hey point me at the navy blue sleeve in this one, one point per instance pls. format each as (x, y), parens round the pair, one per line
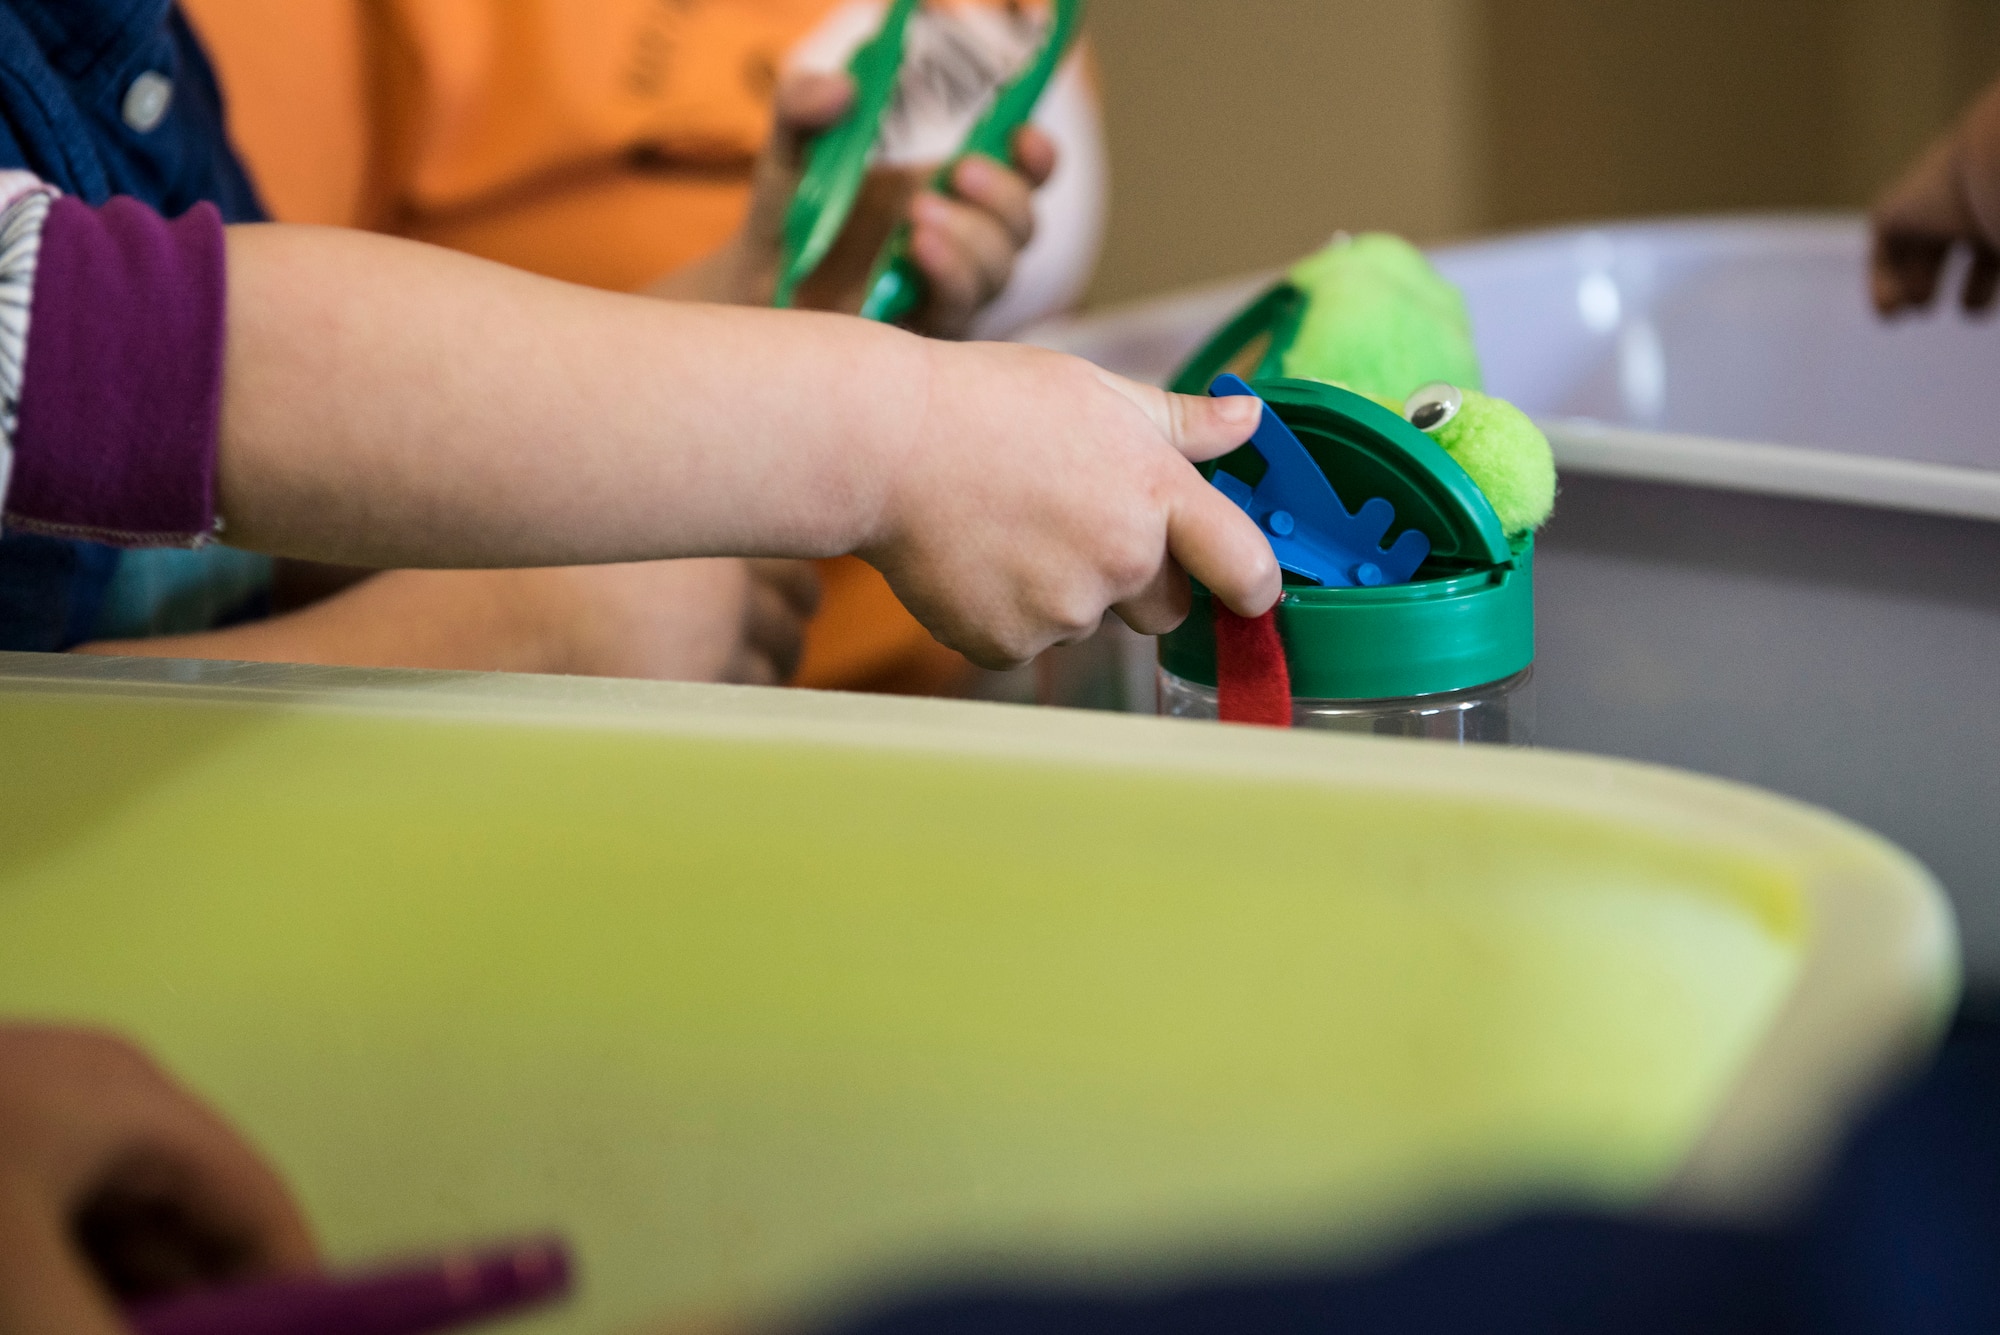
(1548, 1277)
(1905, 1237)
(39, 119)
(67, 72)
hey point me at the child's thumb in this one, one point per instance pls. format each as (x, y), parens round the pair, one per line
(1200, 428)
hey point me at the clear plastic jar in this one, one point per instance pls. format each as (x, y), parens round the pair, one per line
(1501, 712)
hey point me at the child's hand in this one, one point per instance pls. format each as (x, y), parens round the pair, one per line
(115, 1185)
(1950, 198)
(1010, 495)
(965, 244)
(1005, 538)
(726, 620)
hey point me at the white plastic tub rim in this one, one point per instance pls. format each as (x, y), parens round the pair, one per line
(1738, 353)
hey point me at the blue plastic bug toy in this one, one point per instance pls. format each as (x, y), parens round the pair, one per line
(1310, 530)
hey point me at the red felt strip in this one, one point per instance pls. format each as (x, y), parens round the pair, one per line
(1254, 682)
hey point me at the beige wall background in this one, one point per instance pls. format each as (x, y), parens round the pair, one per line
(1245, 132)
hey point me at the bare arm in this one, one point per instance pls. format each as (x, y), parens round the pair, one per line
(703, 620)
(389, 404)
(117, 1184)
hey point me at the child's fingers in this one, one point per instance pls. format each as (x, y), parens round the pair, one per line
(1904, 271)
(951, 290)
(155, 1185)
(1035, 155)
(797, 581)
(983, 240)
(1210, 538)
(774, 641)
(236, 1221)
(1219, 545)
(966, 256)
(783, 597)
(1983, 282)
(1915, 224)
(1006, 195)
(1162, 605)
(967, 246)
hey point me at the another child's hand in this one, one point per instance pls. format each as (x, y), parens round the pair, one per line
(722, 619)
(116, 1185)
(1951, 197)
(1040, 491)
(966, 244)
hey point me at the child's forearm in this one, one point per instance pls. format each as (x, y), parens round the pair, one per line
(385, 403)
(363, 401)
(391, 404)
(713, 620)
(465, 620)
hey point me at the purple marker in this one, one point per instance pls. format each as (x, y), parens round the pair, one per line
(437, 1295)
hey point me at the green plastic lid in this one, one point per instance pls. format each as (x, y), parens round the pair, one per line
(1467, 620)
(1253, 344)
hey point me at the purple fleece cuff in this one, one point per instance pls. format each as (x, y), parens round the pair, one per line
(121, 395)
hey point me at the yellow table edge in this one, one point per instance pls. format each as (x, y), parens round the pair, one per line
(1881, 972)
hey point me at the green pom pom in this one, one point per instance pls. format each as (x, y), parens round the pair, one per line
(1380, 321)
(1508, 456)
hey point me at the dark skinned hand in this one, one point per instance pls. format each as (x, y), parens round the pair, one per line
(1949, 199)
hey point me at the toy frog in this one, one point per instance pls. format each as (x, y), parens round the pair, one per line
(1379, 320)
(1370, 314)
(1367, 325)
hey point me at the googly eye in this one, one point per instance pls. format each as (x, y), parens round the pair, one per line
(1431, 408)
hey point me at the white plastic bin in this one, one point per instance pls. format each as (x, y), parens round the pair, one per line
(1777, 552)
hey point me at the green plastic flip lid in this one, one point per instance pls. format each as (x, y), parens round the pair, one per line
(1253, 344)
(1467, 620)
(1367, 451)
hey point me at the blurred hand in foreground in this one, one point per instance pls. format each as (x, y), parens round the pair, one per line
(116, 1185)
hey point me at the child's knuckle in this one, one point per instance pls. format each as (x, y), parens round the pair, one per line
(1133, 565)
(1075, 616)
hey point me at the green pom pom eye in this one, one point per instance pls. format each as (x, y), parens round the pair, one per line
(1433, 408)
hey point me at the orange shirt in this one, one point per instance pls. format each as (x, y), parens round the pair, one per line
(605, 142)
